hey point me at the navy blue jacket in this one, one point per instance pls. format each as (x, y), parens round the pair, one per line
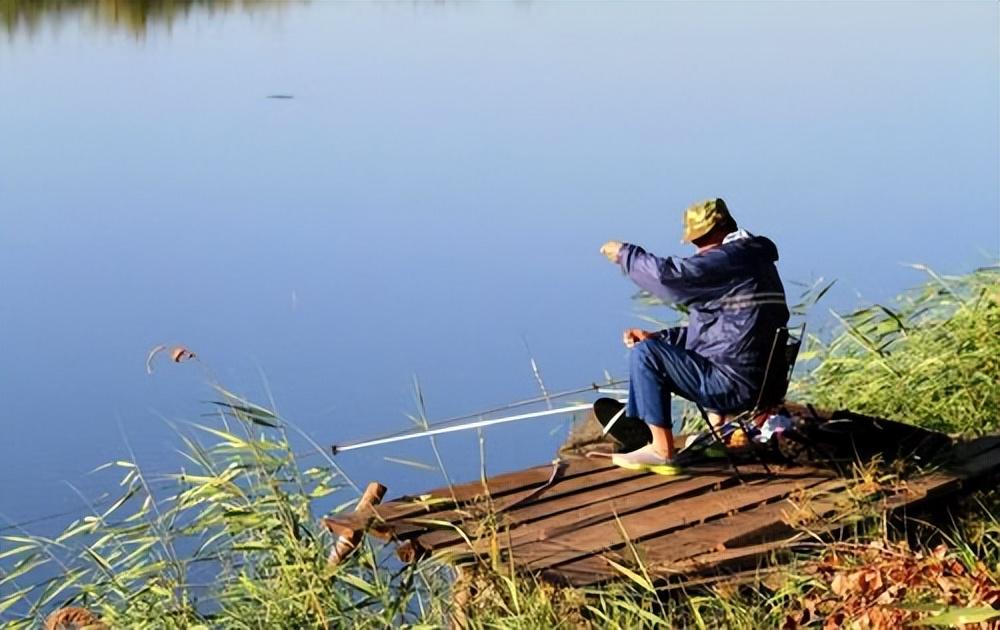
(734, 294)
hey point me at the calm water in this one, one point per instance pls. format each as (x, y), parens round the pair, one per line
(434, 194)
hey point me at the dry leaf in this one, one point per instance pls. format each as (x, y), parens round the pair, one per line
(177, 355)
(180, 353)
(839, 585)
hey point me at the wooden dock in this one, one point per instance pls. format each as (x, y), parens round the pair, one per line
(579, 520)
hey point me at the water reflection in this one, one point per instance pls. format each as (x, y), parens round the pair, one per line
(133, 16)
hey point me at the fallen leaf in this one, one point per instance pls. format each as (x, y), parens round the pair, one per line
(869, 581)
(180, 353)
(839, 585)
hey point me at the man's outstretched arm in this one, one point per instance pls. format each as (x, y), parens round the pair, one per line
(672, 279)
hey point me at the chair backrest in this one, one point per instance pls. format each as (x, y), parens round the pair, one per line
(780, 364)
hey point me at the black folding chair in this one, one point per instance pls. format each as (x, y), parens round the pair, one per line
(777, 374)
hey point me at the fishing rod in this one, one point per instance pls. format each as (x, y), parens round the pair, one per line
(445, 426)
(593, 387)
(458, 427)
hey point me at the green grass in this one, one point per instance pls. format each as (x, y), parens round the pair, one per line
(233, 540)
(932, 359)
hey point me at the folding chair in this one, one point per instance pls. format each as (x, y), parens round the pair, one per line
(777, 374)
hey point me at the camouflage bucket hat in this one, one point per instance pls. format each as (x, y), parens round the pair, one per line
(700, 218)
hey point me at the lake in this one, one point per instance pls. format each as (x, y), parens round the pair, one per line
(325, 200)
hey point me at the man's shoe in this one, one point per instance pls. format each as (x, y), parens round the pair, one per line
(646, 458)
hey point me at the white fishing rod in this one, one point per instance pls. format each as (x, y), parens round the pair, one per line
(458, 427)
(399, 437)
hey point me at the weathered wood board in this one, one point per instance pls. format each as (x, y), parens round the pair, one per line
(573, 520)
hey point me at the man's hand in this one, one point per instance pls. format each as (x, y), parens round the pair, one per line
(633, 336)
(611, 250)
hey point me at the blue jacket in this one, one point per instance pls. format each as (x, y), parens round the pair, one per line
(734, 294)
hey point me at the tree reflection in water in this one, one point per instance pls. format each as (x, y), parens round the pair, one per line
(132, 16)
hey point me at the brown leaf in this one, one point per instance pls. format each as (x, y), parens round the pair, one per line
(834, 621)
(988, 594)
(795, 620)
(956, 568)
(947, 584)
(839, 585)
(774, 581)
(854, 581)
(889, 595)
(180, 353)
(870, 581)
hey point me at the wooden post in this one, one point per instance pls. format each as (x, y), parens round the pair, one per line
(348, 543)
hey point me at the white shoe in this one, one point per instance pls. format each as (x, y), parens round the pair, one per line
(645, 458)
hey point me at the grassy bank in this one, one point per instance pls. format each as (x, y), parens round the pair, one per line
(932, 359)
(233, 540)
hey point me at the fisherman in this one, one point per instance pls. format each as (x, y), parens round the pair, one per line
(736, 303)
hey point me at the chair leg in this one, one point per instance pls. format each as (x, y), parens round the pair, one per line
(753, 445)
(718, 440)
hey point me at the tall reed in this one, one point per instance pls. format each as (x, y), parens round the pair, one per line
(932, 359)
(233, 540)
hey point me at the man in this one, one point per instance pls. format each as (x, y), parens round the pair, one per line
(736, 303)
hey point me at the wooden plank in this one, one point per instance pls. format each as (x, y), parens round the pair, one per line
(728, 559)
(695, 560)
(445, 498)
(735, 560)
(581, 497)
(767, 522)
(511, 504)
(913, 493)
(981, 457)
(594, 570)
(651, 515)
(741, 539)
(534, 522)
(649, 522)
(506, 484)
(543, 519)
(764, 522)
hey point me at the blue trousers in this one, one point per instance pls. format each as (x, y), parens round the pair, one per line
(659, 368)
